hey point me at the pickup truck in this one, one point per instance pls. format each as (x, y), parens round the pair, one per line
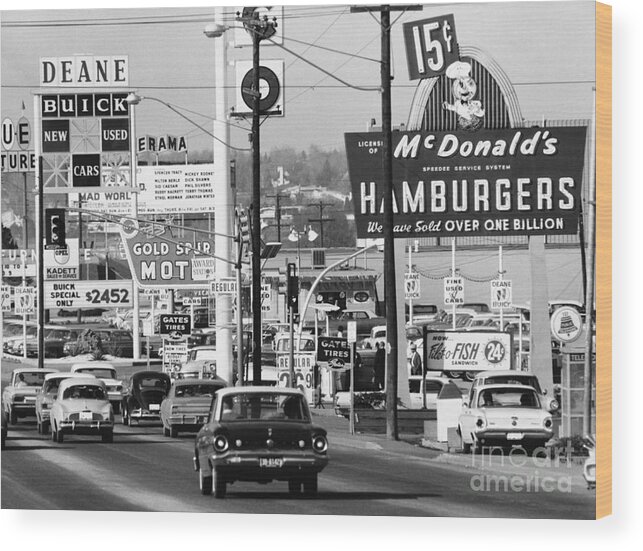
(19, 398)
(365, 319)
(376, 399)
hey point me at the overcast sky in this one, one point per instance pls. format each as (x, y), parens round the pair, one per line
(546, 49)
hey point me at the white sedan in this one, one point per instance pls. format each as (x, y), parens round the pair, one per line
(505, 416)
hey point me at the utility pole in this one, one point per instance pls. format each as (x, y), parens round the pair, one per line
(277, 197)
(389, 238)
(259, 29)
(321, 205)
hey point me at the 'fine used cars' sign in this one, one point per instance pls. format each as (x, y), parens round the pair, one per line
(510, 181)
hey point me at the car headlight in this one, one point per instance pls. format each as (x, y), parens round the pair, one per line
(481, 422)
(320, 443)
(553, 405)
(548, 423)
(220, 443)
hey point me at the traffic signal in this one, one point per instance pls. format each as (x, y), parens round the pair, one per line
(292, 284)
(55, 237)
(244, 226)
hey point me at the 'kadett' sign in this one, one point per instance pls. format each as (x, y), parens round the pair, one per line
(512, 181)
(84, 71)
(158, 261)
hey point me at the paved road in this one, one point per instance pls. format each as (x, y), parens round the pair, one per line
(145, 471)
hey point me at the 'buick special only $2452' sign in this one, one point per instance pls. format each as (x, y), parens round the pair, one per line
(517, 181)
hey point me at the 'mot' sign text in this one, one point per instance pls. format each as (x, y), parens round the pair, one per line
(158, 260)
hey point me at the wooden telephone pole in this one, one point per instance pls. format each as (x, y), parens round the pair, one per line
(389, 239)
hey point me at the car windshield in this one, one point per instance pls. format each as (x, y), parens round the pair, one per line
(305, 345)
(423, 310)
(263, 406)
(51, 386)
(11, 330)
(528, 380)
(508, 398)
(146, 383)
(205, 354)
(30, 378)
(84, 392)
(100, 372)
(196, 391)
(413, 333)
(58, 334)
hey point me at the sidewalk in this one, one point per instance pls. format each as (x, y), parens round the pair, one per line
(491, 466)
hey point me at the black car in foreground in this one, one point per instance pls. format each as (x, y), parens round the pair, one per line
(142, 396)
(259, 434)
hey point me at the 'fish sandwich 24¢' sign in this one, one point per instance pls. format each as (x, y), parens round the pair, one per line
(517, 181)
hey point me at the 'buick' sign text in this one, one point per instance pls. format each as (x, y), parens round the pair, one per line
(509, 181)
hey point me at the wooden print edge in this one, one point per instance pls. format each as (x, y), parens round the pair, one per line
(603, 260)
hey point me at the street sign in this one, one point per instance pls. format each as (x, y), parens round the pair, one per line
(411, 285)
(431, 46)
(62, 263)
(223, 286)
(453, 290)
(501, 294)
(351, 331)
(266, 297)
(304, 368)
(175, 352)
(157, 263)
(334, 351)
(73, 295)
(175, 326)
(148, 327)
(5, 297)
(25, 300)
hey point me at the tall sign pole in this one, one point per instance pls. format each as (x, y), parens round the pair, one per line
(223, 209)
(389, 238)
(136, 333)
(40, 248)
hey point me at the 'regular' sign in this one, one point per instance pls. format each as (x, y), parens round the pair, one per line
(518, 181)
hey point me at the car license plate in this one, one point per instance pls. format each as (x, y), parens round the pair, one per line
(515, 436)
(155, 407)
(85, 415)
(271, 462)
